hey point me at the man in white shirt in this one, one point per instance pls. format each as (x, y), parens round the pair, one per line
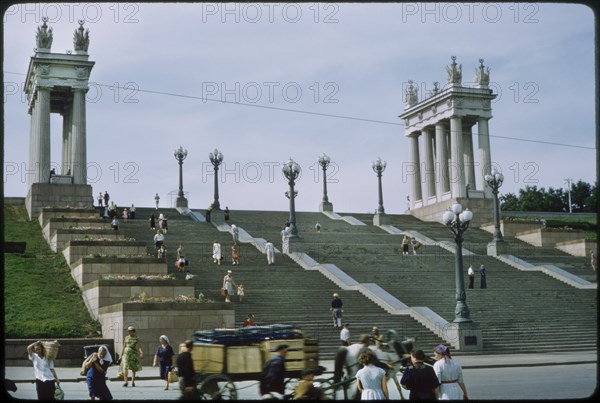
(270, 249)
(345, 335)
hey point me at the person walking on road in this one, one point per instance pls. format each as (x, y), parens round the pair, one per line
(43, 368)
(420, 379)
(132, 354)
(97, 365)
(185, 370)
(273, 377)
(164, 356)
(371, 380)
(449, 374)
(336, 310)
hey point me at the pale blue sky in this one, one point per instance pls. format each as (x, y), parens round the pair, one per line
(350, 60)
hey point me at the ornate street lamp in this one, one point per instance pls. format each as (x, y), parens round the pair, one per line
(216, 158)
(494, 181)
(324, 161)
(378, 167)
(291, 171)
(458, 222)
(180, 154)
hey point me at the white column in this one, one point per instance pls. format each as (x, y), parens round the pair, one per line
(78, 142)
(34, 141)
(441, 161)
(66, 140)
(41, 137)
(457, 167)
(468, 157)
(485, 158)
(429, 174)
(415, 186)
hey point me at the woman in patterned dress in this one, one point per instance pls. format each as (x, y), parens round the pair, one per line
(131, 355)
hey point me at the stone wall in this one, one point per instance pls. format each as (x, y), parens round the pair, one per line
(42, 195)
(482, 210)
(549, 236)
(90, 269)
(511, 228)
(69, 213)
(578, 247)
(76, 250)
(100, 293)
(53, 224)
(178, 321)
(61, 237)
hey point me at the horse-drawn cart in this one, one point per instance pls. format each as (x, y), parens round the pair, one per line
(225, 356)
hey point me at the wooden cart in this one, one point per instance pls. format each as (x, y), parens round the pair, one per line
(219, 366)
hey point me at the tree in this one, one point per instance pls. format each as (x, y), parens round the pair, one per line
(580, 191)
(509, 202)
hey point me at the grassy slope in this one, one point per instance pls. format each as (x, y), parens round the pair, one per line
(41, 299)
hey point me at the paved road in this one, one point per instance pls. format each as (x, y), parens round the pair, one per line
(516, 376)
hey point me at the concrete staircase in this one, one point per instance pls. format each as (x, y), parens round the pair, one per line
(519, 311)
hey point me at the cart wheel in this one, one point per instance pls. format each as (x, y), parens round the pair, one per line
(290, 385)
(217, 387)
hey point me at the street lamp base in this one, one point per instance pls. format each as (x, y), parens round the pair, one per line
(496, 248)
(181, 202)
(380, 219)
(325, 206)
(464, 336)
(294, 244)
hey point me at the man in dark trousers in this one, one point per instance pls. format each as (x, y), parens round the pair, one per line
(106, 198)
(185, 370)
(273, 375)
(336, 310)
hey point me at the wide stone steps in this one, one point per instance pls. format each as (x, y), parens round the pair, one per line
(285, 293)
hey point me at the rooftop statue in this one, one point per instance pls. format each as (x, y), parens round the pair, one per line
(454, 72)
(482, 76)
(43, 37)
(411, 96)
(81, 40)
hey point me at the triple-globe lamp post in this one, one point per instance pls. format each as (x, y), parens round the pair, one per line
(180, 154)
(494, 181)
(324, 161)
(216, 158)
(378, 167)
(291, 171)
(458, 221)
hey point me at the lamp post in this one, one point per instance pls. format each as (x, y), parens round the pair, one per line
(458, 222)
(324, 161)
(494, 181)
(291, 171)
(378, 167)
(568, 182)
(180, 154)
(216, 157)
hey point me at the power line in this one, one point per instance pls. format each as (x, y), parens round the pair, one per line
(315, 113)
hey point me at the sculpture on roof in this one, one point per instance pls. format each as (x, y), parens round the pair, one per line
(454, 72)
(43, 37)
(482, 75)
(411, 97)
(81, 40)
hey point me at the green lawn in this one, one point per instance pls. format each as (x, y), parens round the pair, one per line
(41, 299)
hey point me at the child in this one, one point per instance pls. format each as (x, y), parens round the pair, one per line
(235, 256)
(240, 291)
(189, 275)
(162, 252)
(180, 263)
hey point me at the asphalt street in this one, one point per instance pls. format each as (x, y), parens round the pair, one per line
(487, 377)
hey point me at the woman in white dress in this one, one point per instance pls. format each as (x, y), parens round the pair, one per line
(371, 380)
(228, 284)
(449, 373)
(217, 252)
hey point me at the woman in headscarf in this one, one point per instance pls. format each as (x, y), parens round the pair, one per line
(164, 356)
(449, 373)
(97, 365)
